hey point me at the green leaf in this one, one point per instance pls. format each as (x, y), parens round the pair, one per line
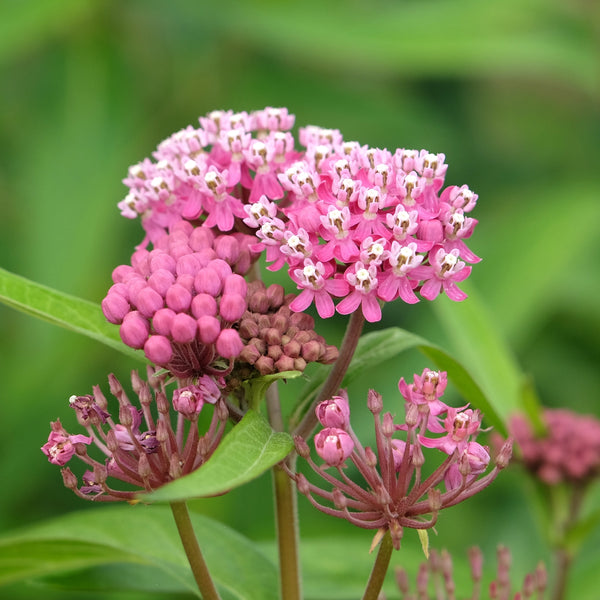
(247, 451)
(378, 346)
(142, 538)
(578, 533)
(532, 406)
(479, 344)
(61, 309)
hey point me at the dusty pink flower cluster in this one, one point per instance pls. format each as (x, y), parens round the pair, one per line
(569, 450)
(361, 224)
(141, 449)
(395, 494)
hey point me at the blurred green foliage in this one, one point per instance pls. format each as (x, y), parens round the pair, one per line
(508, 90)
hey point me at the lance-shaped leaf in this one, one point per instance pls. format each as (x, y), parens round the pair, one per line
(140, 542)
(61, 309)
(246, 452)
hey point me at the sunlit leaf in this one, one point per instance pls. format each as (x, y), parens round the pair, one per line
(61, 309)
(247, 451)
(143, 538)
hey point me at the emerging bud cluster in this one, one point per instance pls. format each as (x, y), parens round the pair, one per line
(395, 493)
(438, 569)
(142, 448)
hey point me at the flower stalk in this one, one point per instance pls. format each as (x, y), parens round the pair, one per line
(192, 550)
(380, 567)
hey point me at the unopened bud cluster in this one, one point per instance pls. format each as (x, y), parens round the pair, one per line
(568, 451)
(437, 574)
(275, 338)
(141, 448)
(395, 493)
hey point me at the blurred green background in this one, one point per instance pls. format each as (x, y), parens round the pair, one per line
(508, 90)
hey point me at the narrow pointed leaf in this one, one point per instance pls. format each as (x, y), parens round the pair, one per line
(247, 451)
(141, 538)
(61, 309)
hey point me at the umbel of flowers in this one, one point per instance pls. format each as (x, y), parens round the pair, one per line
(141, 449)
(395, 493)
(348, 221)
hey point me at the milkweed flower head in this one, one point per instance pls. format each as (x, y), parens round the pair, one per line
(147, 445)
(395, 493)
(352, 224)
(569, 450)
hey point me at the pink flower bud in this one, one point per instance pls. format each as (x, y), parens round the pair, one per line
(162, 261)
(204, 304)
(208, 329)
(207, 281)
(275, 294)
(134, 330)
(232, 307)
(148, 301)
(235, 284)
(227, 248)
(222, 268)
(284, 363)
(200, 238)
(334, 412)
(183, 328)
(188, 265)
(139, 261)
(374, 402)
(162, 320)
(161, 280)
(115, 307)
(178, 298)
(158, 349)
(265, 365)
(123, 273)
(333, 445)
(229, 344)
(311, 351)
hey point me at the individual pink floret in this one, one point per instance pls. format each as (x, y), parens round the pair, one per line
(459, 426)
(313, 278)
(61, 446)
(364, 281)
(445, 271)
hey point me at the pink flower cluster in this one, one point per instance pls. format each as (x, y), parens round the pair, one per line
(395, 494)
(569, 450)
(352, 222)
(142, 449)
(366, 225)
(180, 300)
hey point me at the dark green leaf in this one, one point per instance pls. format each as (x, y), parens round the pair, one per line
(61, 309)
(142, 538)
(247, 451)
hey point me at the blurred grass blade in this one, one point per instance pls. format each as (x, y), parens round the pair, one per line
(247, 451)
(379, 346)
(61, 309)
(142, 538)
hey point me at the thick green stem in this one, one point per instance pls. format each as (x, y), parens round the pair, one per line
(286, 511)
(192, 549)
(334, 381)
(380, 568)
